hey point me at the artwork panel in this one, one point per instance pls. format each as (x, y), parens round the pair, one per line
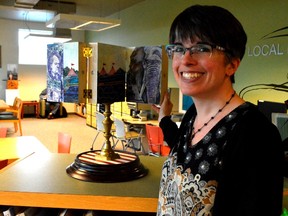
(55, 82)
(71, 72)
(112, 62)
(147, 75)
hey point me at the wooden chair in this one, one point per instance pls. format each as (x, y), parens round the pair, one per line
(15, 115)
(64, 142)
(7, 112)
(156, 141)
(128, 139)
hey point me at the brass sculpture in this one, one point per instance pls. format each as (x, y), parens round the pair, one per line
(107, 153)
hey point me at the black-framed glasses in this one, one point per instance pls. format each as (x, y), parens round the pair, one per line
(200, 50)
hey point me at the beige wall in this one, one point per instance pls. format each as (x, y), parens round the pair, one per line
(32, 78)
(148, 24)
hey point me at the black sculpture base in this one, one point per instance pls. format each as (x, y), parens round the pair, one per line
(87, 168)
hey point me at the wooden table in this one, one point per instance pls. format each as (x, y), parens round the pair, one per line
(3, 106)
(36, 106)
(136, 121)
(13, 148)
(42, 181)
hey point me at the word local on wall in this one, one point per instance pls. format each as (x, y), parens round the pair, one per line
(266, 50)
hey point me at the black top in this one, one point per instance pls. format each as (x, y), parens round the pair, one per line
(236, 169)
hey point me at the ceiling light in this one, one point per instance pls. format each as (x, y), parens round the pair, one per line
(25, 3)
(31, 2)
(38, 33)
(77, 22)
(57, 35)
(45, 37)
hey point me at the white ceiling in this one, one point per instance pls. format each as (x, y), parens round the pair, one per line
(98, 8)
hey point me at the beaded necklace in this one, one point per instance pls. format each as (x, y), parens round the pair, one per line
(206, 123)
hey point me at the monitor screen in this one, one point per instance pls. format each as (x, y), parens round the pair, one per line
(281, 121)
(184, 102)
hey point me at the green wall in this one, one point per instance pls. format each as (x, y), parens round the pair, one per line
(265, 61)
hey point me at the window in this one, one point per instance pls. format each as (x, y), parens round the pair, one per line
(33, 46)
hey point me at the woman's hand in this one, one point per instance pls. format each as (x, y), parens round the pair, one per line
(166, 107)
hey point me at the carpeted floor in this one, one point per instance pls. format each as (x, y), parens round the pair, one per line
(46, 131)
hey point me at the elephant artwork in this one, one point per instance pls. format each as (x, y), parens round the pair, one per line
(144, 75)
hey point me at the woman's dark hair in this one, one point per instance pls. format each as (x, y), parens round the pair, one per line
(211, 24)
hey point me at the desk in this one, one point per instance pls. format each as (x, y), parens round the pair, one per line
(3, 106)
(129, 120)
(19, 147)
(41, 181)
(136, 121)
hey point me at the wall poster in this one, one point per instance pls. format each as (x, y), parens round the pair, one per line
(12, 76)
(12, 72)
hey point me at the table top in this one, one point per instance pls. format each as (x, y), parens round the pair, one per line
(42, 181)
(3, 105)
(20, 147)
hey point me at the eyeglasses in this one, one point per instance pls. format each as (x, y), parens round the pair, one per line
(200, 50)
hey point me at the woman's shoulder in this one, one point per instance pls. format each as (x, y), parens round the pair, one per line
(252, 117)
(189, 113)
(250, 111)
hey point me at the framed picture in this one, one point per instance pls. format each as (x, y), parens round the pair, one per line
(12, 72)
(0, 58)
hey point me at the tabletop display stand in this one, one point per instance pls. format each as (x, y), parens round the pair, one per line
(39, 179)
(106, 165)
